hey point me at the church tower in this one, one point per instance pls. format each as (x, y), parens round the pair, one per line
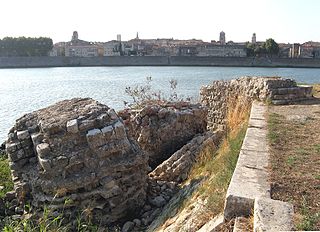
(254, 38)
(75, 36)
(222, 38)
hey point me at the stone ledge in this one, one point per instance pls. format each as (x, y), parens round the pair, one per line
(250, 178)
(272, 215)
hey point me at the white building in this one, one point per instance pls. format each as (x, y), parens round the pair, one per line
(81, 48)
(112, 48)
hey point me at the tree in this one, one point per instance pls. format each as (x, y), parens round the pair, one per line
(23, 46)
(271, 47)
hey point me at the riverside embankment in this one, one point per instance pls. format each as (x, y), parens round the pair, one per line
(29, 62)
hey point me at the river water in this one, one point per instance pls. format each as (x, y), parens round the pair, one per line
(26, 90)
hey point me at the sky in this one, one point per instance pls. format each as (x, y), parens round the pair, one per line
(285, 21)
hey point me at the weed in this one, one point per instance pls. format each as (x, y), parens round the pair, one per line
(309, 220)
(291, 160)
(5, 176)
(317, 148)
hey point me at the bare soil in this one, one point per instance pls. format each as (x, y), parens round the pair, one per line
(294, 135)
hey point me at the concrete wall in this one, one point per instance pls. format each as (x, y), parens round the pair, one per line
(26, 62)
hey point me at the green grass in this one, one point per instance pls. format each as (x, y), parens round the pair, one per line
(291, 160)
(309, 220)
(317, 148)
(49, 223)
(273, 121)
(5, 175)
(219, 170)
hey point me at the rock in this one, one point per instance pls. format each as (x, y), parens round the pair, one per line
(137, 222)
(18, 210)
(10, 196)
(72, 126)
(158, 201)
(2, 208)
(176, 168)
(127, 227)
(23, 135)
(272, 215)
(16, 217)
(146, 208)
(77, 149)
(161, 130)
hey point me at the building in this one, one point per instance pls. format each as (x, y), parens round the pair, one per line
(222, 50)
(295, 50)
(81, 48)
(222, 38)
(119, 38)
(112, 48)
(254, 38)
(58, 49)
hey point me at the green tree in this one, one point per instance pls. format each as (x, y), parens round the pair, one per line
(23, 46)
(271, 47)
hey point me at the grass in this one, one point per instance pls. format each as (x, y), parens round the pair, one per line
(273, 122)
(49, 222)
(220, 170)
(294, 159)
(5, 176)
(218, 167)
(215, 166)
(309, 219)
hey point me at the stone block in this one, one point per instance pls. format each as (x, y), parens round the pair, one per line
(36, 138)
(72, 126)
(86, 125)
(95, 138)
(108, 132)
(45, 164)
(43, 150)
(11, 147)
(23, 135)
(272, 215)
(112, 114)
(250, 177)
(119, 130)
(211, 226)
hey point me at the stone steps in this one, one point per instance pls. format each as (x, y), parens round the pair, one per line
(284, 96)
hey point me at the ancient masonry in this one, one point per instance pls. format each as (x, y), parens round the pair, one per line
(163, 129)
(80, 155)
(218, 96)
(76, 154)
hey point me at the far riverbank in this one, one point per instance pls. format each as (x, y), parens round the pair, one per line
(38, 62)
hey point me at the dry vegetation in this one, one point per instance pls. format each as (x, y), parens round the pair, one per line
(218, 167)
(294, 135)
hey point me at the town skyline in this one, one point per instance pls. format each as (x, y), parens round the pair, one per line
(286, 21)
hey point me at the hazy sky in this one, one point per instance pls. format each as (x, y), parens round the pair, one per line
(102, 20)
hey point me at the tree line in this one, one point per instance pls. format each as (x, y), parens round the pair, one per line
(270, 47)
(25, 46)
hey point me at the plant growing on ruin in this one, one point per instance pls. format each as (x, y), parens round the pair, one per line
(144, 94)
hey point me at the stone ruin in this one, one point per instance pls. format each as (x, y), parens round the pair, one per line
(163, 129)
(77, 155)
(218, 96)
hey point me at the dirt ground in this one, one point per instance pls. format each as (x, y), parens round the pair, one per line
(294, 135)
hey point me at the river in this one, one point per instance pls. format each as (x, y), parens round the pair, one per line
(26, 90)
